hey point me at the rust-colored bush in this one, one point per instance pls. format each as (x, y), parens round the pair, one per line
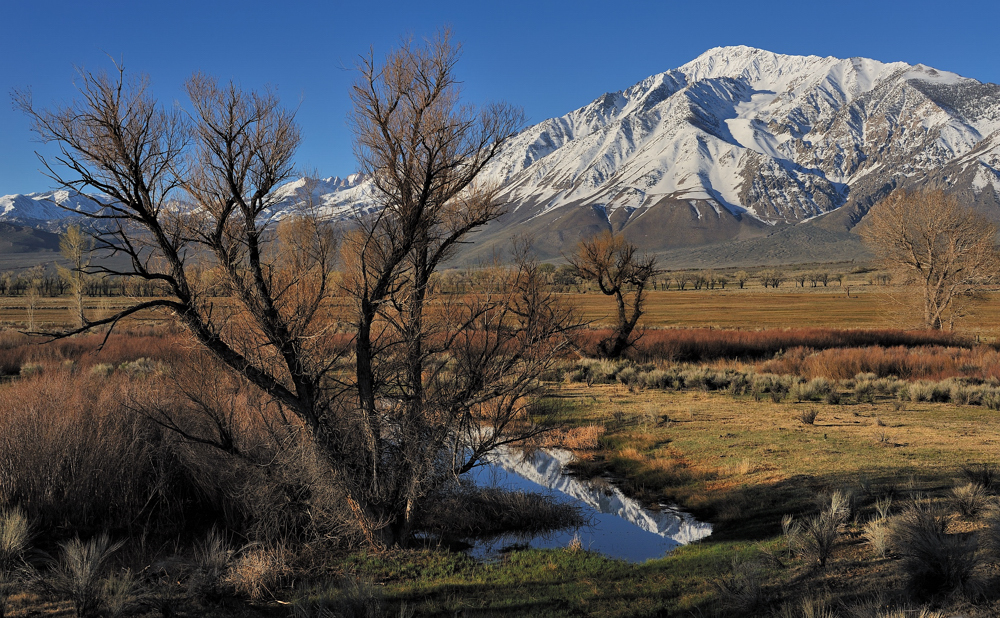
(72, 456)
(910, 363)
(83, 451)
(706, 344)
(164, 345)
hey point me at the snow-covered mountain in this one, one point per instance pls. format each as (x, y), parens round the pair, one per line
(736, 145)
(45, 210)
(741, 140)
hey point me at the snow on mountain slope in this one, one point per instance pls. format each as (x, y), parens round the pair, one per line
(731, 144)
(43, 207)
(777, 137)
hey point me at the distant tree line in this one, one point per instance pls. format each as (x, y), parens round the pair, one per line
(38, 281)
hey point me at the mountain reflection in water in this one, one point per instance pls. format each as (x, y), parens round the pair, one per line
(620, 527)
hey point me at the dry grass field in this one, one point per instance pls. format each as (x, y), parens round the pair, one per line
(755, 308)
(867, 307)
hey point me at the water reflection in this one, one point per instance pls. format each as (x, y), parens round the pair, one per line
(620, 527)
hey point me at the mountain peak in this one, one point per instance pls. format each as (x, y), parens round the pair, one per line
(735, 144)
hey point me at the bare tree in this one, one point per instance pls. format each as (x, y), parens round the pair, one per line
(424, 394)
(434, 389)
(619, 271)
(32, 293)
(75, 246)
(771, 277)
(928, 238)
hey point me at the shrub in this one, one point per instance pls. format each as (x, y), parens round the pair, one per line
(969, 499)
(742, 587)
(876, 532)
(984, 474)
(583, 438)
(121, 593)
(258, 571)
(15, 536)
(965, 395)
(599, 371)
(791, 532)
(883, 506)
(921, 391)
(73, 456)
(991, 398)
(79, 572)
(628, 376)
(941, 392)
(841, 505)
(31, 369)
(864, 391)
(658, 378)
(903, 392)
(933, 560)
(139, 367)
(773, 385)
(739, 384)
(208, 583)
(889, 387)
(817, 388)
(820, 533)
(808, 417)
(102, 370)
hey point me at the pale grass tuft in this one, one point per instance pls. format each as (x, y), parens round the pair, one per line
(876, 532)
(586, 438)
(121, 593)
(816, 608)
(79, 572)
(882, 506)
(15, 535)
(742, 467)
(575, 544)
(257, 572)
(969, 499)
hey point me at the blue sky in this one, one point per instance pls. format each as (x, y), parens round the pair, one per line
(548, 57)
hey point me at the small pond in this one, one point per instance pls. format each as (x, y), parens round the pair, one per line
(619, 526)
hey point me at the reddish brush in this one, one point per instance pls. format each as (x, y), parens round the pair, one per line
(706, 344)
(919, 363)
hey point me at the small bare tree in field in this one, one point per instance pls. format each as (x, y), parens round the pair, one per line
(940, 246)
(619, 271)
(75, 246)
(429, 385)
